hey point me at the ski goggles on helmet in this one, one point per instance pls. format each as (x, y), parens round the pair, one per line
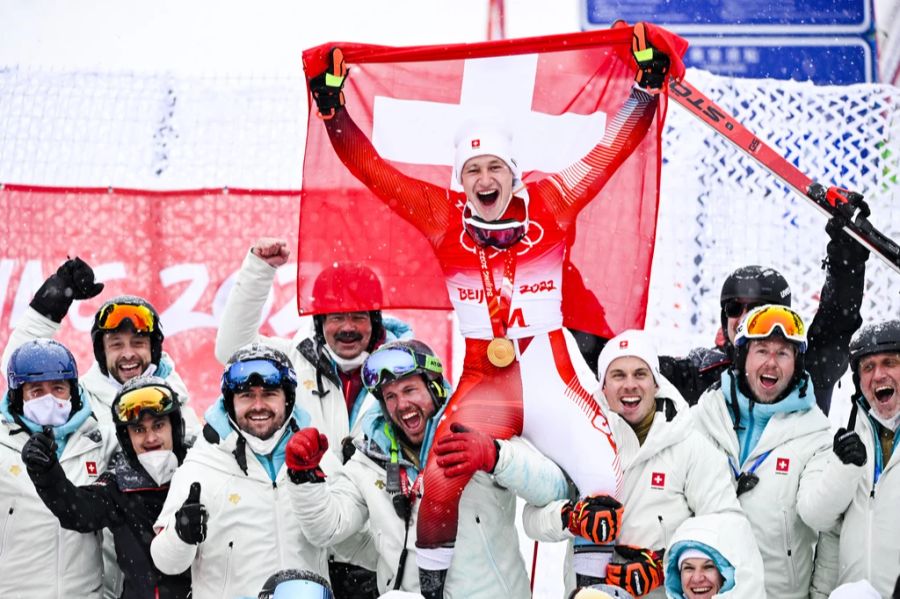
(734, 308)
(388, 364)
(240, 376)
(764, 321)
(299, 589)
(113, 315)
(154, 399)
(502, 233)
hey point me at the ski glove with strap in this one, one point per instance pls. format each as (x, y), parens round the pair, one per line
(327, 87)
(597, 519)
(849, 448)
(74, 280)
(639, 574)
(191, 517)
(658, 55)
(304, 451)
(464, 452)
(39, 453)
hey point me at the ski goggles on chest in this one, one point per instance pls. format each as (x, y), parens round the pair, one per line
(501, 233)
(734, 308)
(763, 321)
(240, 376)
(155, 400)
(113, 315)
(299, 589)
(388, 364)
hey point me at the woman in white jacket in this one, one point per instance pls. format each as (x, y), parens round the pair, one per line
(381, 484)
(728, 541)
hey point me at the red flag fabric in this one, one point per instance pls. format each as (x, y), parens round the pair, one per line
(558, 93)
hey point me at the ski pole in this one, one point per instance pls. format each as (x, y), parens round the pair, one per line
(833, 201)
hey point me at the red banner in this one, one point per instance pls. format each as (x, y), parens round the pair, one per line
(180, 250)
(556, 93)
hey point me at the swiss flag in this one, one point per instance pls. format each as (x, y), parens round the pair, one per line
(782, 465)
(658, 480)
(91, 468)
(557, 94)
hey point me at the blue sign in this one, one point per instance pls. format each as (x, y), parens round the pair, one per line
(736, 16)
(824, 61)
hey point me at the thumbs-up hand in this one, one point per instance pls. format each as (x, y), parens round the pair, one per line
(190, 519)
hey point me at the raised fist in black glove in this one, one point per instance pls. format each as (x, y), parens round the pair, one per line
(39, 453)
(190, 519)
(74, 280)
(849, 448)
(843, 250)
(327, 87)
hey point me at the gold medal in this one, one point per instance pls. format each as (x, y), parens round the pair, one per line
(500, 352)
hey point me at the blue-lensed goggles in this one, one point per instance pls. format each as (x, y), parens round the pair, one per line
(242, 375)
(301, 589)
(388, 364)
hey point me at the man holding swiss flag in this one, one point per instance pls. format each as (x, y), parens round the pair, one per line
(503, 237)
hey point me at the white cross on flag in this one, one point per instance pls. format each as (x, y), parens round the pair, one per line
(658, 480)
(782, 465)
(556, 94)
(91, 468)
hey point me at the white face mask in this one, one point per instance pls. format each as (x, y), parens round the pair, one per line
(160, 464)
(265, 446)
(889, 423)
(346, 365)
(47, 410)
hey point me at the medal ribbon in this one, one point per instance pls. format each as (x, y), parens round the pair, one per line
(499, 301)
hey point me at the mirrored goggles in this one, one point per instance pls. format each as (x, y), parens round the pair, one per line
(392, 363)
(762, 322)
(242, 375)
(300, 589)
(113, 315)
(154, 399)
(501, 233)
(734, 308)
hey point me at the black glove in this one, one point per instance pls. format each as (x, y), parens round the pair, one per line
(843, 250)
(190, 519)
(74, 280)
(327, 88)
(849, 448)
(39, 453)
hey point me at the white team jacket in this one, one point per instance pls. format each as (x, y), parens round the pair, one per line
(785, 507)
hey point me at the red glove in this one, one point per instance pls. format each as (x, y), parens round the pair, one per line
(464, 452)
(597, 519)
(640, 574)
(305, 450)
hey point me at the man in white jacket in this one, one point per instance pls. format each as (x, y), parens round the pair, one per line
(39, 558)
(382, 482)
(327, 363)
(865, 472)
(227, 515)
(671, 472)
(764, 418)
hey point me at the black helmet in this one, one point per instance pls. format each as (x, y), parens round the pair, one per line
(147, 395)
(301, 584)
(258, 364)
(123, 313)
(765, 285)
(398, 359)
(41, 360)
(875, 338)
(348, 284)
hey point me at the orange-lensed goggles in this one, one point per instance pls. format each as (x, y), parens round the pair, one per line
(155, 400)
(763, 321)
(113, 315)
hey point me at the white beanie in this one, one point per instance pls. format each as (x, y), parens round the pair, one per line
(481, 138)
(860, 589)
(630, 343)
(690, 554)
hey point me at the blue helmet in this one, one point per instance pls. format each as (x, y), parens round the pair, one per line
(41, 360)
(258, 364)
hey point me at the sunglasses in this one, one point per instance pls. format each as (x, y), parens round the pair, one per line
(392, 363)
(734, 308)
(242, 375)
(114, 315)
(154, 399)
(761, 322)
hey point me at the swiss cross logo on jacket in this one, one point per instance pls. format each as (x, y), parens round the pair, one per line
(782, 465)
(91, 468)
(623, 344)
(658, 480)
(476, 143)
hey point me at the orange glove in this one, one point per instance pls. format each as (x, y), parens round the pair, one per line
(327, 88)
(598, 519)
(640, 574)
